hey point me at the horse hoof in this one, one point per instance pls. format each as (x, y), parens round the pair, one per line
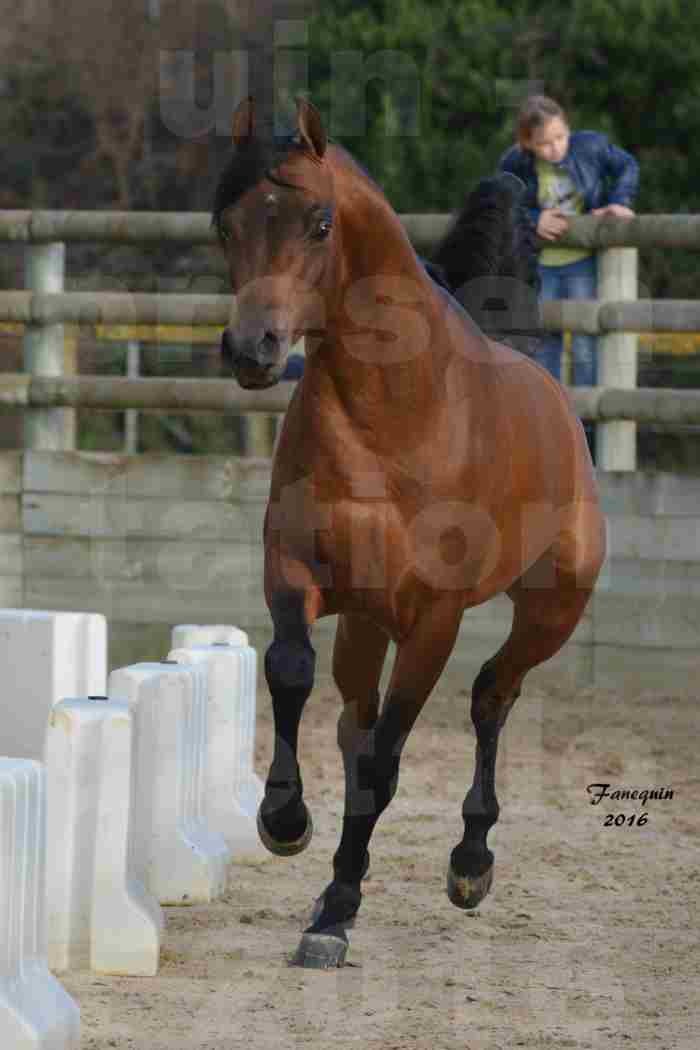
(321, 951)
(286, 849)
(466, 891)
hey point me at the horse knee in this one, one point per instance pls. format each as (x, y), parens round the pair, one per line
(290, 664)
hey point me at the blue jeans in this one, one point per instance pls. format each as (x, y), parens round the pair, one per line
(574, 281)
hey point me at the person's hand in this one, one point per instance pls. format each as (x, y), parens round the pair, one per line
(619, 210)
(552, 223)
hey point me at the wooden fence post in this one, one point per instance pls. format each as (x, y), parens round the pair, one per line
(51, 429)
(131, 416)
(616, 442)
(258, 439)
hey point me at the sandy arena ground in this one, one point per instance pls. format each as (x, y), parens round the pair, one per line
(589, 938)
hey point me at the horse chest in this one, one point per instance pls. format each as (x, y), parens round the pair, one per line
(379, 559)
(365, 547)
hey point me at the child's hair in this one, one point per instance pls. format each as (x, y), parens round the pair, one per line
(535, 111)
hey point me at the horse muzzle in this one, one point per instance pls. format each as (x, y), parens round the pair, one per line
(255, 362)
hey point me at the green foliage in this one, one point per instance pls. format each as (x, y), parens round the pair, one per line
(626, 67)
(423, 94)
(45, 130)
(423, 110)
(629, 68)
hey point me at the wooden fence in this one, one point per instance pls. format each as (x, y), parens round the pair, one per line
(44, 307)
(653, 405)
(151, 541)
(155, 540)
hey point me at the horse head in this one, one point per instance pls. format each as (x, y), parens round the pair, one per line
(273, 212)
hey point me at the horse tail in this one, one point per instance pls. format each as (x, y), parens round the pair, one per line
(488, 260)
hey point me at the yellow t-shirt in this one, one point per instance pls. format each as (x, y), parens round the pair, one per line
(556, 189)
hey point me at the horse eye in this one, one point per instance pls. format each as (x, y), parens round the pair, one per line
(323, 228)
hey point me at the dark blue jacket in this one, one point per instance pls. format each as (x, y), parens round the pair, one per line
(294, 369)
(602, 173)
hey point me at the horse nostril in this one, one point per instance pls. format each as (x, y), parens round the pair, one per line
(270, 341)
(269, 348)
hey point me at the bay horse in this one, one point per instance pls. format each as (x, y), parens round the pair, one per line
(422, 468)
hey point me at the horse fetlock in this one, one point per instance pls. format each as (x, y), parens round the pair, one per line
(324, 943)
(336, 907)
(282, 799)
(284, 822)
(478, 817)
(471, 860)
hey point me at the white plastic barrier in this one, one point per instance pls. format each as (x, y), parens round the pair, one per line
(186, 635)
(101, 917)
(186, 859)
(45, 656)
(36, 1013)
(233, 791)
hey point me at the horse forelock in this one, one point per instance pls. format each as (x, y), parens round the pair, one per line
(250, 164)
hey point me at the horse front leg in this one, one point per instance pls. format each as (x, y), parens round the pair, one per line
(325, 942)
(371, 747)
(284, 823)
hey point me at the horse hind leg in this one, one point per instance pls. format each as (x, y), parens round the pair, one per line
(549, 601)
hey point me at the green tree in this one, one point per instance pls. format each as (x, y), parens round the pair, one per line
(630, 68)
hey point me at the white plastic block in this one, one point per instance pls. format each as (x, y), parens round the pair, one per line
(186, 859)
(36, 1013)
(101, 917)
(44, 657)
(233, 791)
(187, 635)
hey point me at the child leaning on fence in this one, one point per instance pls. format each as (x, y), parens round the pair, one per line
(568, 173)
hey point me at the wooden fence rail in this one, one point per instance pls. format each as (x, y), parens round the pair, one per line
(44, 307)
(132, 308)
(115, 393)
(119, 227)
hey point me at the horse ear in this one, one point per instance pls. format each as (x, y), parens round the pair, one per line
(243, 125)
(311, 130)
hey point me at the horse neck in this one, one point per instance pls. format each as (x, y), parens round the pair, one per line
(376, 269)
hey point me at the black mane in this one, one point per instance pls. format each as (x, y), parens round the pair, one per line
(494, 237)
